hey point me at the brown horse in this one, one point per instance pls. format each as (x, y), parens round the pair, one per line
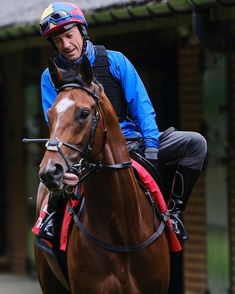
(116, 248)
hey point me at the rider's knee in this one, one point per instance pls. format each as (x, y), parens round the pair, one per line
(198, 142)
(197, 146)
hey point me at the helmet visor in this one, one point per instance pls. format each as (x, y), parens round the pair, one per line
(55, 18)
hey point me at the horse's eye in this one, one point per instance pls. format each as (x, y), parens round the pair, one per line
(83, 113)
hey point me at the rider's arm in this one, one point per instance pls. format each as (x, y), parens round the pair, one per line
(48, 93)
(138, 101)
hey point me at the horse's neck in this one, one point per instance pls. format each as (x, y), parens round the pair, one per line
(114, 201)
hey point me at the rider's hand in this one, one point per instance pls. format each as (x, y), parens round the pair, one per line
(151, 154)
(70, 179)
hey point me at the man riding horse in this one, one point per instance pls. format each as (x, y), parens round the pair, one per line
(64, 25)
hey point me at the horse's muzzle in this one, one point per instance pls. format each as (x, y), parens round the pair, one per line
(52, 176)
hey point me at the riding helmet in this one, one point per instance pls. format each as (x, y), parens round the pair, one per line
(61, 16)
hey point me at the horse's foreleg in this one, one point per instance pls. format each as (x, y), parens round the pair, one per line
(50, 276)
(48, 281)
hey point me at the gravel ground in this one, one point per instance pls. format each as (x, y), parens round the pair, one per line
(18, 284)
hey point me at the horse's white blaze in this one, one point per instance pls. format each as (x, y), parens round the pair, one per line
(61, 107)
(64, 104)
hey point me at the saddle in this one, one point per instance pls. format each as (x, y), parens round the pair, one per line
(152, 169)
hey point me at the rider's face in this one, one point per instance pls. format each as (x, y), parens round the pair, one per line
(69, 43)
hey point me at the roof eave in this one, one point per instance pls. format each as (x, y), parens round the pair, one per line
(148, 10)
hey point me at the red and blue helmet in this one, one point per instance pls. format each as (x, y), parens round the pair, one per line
(60, 16)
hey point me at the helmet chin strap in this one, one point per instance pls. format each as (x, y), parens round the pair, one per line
(84, 47)
(85, 36)
(83, 32)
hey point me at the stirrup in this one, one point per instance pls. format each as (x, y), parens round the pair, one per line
(178, 226)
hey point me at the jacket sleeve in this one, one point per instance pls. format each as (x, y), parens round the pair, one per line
(139, 103)
(48, 93)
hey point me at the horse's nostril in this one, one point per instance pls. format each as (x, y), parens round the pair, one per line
(58, 170)
(52, 177)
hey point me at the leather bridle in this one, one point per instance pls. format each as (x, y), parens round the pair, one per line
(55, 144)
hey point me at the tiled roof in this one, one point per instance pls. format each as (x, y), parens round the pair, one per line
(21, 17)
(22, 12)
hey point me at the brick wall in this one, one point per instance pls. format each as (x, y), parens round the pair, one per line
(16, 219)
(191, 111)
(12, 74)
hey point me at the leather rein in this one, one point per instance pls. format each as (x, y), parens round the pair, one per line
(85, 168)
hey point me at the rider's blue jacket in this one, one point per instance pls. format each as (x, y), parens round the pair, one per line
(139, 104)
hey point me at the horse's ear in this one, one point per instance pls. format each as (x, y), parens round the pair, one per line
(55, 72)
(86, 70)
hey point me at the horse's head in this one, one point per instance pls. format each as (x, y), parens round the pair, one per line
(75, 121)
(80, 119)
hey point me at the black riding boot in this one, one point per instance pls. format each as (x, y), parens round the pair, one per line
(183, 183)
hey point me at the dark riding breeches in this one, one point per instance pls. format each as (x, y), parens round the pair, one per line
(176, 148)
(187, 149)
